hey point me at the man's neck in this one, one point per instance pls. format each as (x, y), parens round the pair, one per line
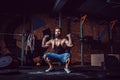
(57, 38)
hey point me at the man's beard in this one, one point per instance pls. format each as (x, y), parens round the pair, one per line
(57, 36)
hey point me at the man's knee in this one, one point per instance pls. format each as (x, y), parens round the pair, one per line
(67, 55)
(46, 55)
(45, 58)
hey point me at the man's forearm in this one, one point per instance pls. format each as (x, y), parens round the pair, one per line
(43, 42)
(70, 41)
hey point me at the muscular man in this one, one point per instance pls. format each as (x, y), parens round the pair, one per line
(58, 45)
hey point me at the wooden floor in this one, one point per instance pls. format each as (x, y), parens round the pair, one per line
(78, 73)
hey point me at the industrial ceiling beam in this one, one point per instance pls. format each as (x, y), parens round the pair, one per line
(59, 4)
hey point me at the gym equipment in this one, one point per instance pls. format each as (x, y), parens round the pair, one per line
(8, 62)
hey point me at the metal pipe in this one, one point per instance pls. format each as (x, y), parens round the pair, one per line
(22, 49)
(81, 45)
(111, 47)
(60, 20)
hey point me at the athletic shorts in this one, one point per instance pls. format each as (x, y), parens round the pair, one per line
(57, 57)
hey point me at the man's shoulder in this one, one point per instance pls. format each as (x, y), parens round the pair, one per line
(51, 40)
(64, 39)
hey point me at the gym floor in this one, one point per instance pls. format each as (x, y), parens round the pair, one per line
(78, 73)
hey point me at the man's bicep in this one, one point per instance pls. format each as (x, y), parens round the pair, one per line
(67, 43)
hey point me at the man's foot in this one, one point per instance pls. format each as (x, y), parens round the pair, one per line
(49, 70)
(67, 70)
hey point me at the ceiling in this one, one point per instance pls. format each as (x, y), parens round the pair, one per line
(109, 9)
(26, 6)
(98, 8)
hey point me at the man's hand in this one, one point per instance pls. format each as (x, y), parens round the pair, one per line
(68, 35)
(46, 36)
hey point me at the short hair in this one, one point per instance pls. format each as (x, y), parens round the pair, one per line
(58, 28)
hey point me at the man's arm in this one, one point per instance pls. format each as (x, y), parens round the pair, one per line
(44, 43)
(69, 41)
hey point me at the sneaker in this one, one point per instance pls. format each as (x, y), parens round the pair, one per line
(49, 70)
(67, 70)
